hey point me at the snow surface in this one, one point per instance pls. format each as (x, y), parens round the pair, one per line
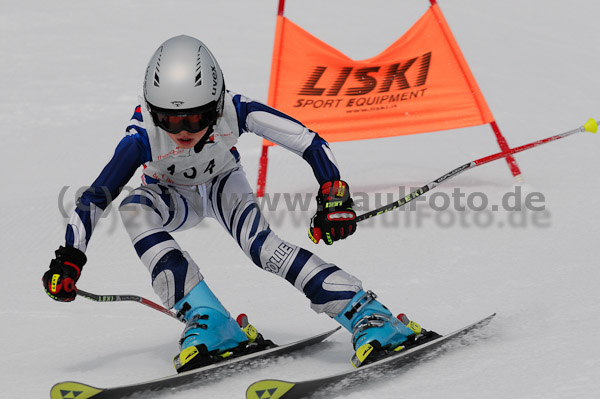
(71, 72)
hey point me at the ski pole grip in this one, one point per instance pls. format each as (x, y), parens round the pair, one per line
(314, 233)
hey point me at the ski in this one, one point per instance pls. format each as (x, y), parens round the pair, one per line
(277, 389)
(71, 389)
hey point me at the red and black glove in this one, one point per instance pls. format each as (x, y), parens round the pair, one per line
(335, 219)
(59, 281)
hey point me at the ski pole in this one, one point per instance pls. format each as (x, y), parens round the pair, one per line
(119, 298)
(590, 126)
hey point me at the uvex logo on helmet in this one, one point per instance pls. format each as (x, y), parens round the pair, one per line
(353, 81)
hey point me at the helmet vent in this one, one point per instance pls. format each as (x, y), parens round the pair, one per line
(157, 69)
(156, 78)
(198, 68)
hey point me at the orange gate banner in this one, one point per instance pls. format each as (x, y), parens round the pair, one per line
(421, 83)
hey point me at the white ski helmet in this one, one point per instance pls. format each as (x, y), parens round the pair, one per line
(184, 87)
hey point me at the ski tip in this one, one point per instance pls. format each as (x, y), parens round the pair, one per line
(490, 317)
(591, 126)
(485, 321)
(329, 333)
(271, 389)
(69, 389)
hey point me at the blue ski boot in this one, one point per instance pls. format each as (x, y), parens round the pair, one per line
(375, 332)
(210, 333)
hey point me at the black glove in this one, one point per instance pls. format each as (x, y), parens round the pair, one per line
(335, 219)
(59, 281)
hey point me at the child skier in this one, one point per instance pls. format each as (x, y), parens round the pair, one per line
(184, 133)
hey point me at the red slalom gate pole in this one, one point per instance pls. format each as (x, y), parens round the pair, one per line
(512, 163)
(504, 147)
(263, 164)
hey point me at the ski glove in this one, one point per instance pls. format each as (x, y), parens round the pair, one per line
(335, 219)
(59, 281)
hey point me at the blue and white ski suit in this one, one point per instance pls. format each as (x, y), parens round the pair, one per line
(180, 187)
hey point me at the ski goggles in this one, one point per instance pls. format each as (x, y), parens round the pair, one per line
(190, 120)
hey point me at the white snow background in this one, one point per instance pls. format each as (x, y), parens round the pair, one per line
(70, 74)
